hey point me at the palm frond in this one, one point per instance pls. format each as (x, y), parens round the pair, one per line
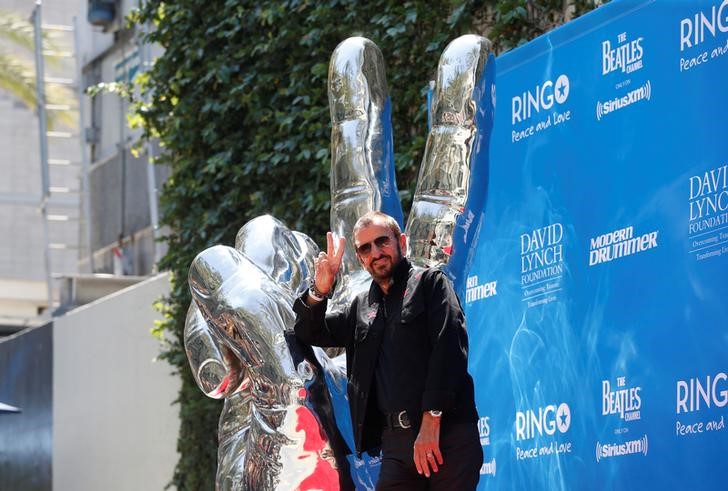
(16, 30)
(17, 72)
(15, 79)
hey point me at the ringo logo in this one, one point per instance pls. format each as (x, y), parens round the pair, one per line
(693, 29)
(546, 421)
(543, 96)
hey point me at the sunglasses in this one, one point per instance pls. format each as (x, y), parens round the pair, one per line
(381, 242)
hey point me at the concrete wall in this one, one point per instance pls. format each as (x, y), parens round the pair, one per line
(114, 425)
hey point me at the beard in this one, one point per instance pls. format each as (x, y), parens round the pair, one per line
(382, 267)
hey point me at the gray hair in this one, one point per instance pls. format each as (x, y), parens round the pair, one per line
(372, 216)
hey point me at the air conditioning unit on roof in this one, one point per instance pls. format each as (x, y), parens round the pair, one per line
(101, 12)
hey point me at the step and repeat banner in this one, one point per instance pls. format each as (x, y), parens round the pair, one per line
(597, 294)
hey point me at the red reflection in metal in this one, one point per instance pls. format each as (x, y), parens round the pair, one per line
(324, 475)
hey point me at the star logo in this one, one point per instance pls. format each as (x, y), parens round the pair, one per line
(562, 89)
(563, 417)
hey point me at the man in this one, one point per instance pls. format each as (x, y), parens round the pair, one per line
(406, 349)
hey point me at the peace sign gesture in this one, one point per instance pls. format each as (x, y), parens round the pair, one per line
(362, 153)
(327, 264)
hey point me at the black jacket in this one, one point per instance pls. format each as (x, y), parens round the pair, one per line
(430, 371)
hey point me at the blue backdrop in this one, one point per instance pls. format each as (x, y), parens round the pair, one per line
(595, 287)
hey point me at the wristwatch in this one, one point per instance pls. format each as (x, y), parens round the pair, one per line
(434, 413)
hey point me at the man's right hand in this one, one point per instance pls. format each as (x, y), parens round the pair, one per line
(327, 265)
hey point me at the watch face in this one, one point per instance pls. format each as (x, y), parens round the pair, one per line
(436, 413)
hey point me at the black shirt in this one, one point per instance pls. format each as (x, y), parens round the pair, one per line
(384, 376)
(424, 367)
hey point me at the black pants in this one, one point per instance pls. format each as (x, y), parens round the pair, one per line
(461, 453)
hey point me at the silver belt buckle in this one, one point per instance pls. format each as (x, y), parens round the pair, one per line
(402, 423)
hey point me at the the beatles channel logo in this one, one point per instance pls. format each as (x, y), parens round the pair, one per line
(708, 202)
(540, 108)
(487, 468)
(702, 36)
(618, 244)
(624, 57)
(697, 395)
(624, 401)
(484, 430)
(547, 421)
(542, 264)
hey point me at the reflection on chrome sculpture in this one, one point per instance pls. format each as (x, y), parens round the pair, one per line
(362, 154)
(290, 437)
(285, 423)
(444, 179)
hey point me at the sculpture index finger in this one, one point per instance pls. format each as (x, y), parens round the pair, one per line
(362, 149)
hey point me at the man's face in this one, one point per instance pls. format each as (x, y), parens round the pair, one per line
(379, 250)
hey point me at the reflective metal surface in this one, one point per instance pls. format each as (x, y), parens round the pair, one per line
(286, 423)
(444, 178)
(362, 152)
(218, 375)
(206, 360)
(362, 155)
(278, 428)
(285, 256)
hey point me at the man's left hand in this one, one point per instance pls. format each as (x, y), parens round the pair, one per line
(427, 445)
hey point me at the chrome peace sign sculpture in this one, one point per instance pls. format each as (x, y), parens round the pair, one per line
(285, 423)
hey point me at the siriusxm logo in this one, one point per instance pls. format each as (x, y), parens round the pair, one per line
(488, 468)
(626, 56)
(542, 97)
(546, 421)
(607, 450)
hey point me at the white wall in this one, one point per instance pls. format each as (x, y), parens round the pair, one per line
(114, 425)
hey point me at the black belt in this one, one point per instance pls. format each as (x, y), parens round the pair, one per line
(397, 420)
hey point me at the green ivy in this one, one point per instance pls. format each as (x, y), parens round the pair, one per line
(239, 104)
(515, 22)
